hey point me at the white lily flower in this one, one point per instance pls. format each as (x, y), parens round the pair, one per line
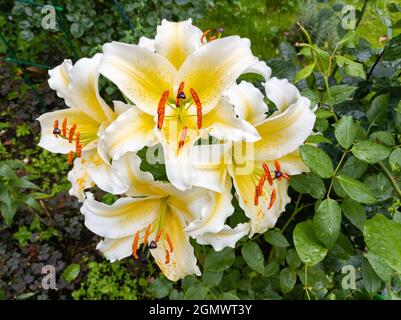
(156, 214)
(76, 129)
(178, 83)
(260, 176)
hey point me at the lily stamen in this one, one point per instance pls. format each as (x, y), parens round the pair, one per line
(267, 173)
(158, 235)
(56, 129)
(272, 199)
(180, 94)
(161, 109)
(70, 157)
(256, 197)
(167, 261)
(64, 127)
(198, 107)
(170, 243)
(135, 245)
(204, 35)
(147, 232)
(182, 138)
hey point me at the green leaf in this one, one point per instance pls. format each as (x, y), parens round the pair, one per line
(288, 278)
(253, 256)
(353, 167)
(308, 247)
(228, 296)
(293, 259)
(275, 238)
(384, 271)
(196, 292)
(317, 138)
(371, 280)
(71, 272)
(354, 212)
(217, 261)
(356, 190)
(338, 93)
(76, 30)
(383, 137)
(304, 73)
(317, 160)
(395, 160)
(309, 183)
(370, 151)
(380, 186)
(392, 50)
(160, 288)
(212, 279)
(377, 112)
(327, 222)
(324, 114)
(352, 68)
(345, 132)
(383, 238)
(271, 269)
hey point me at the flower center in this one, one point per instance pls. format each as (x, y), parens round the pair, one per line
(211, 34)
(262, 176)
(71, 134)
(162, 236)
(181, 110)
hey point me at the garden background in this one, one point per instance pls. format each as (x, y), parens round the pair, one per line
(41, 224)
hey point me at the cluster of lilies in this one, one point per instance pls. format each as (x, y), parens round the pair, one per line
(182, 95)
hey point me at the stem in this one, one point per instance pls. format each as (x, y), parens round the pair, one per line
(375, 64)
(326, 82)
(335, 172)
(294, 213)
(362, 13)
(390, 177)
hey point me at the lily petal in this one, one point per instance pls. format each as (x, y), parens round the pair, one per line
(209, 165)
(248, 102)
(86, 125)
(284, 132)
(182, 260)
(127, 168)
(177, 40)
(261, 218)
(60, 79)
(260, 68)
(281, 92)
(131, 131)
(293, 164)
(116, 249)
(80, 179)
(147, 43)
(227, 237)
(140, 74)
(215, 214)
(214, 67)
(124, 217)
(222, 123)
(84, 89)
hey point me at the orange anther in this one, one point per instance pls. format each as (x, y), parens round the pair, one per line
(183, 135)
(198, 107)
(286, 176)
(55, 124)
(161, 109)
(77, 140)
(147, 232)
(64, 127)
(272, 199)
(267, 173)
(277, 165)
(256, 197)
(79, 150)
(170, 243)
(167, 261)
(158, 235)
(70, 157)
(260, 185)
(204, 36)
(71, 133)
(135, 245)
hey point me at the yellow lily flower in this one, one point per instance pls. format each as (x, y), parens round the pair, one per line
(76, 130)
(156, 215)
(260, 170)
(177, 82)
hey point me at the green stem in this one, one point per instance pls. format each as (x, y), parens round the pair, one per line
(335, 172)
(294, 213)
(390, 177)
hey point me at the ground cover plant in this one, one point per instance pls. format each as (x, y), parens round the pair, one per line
(338, 237)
